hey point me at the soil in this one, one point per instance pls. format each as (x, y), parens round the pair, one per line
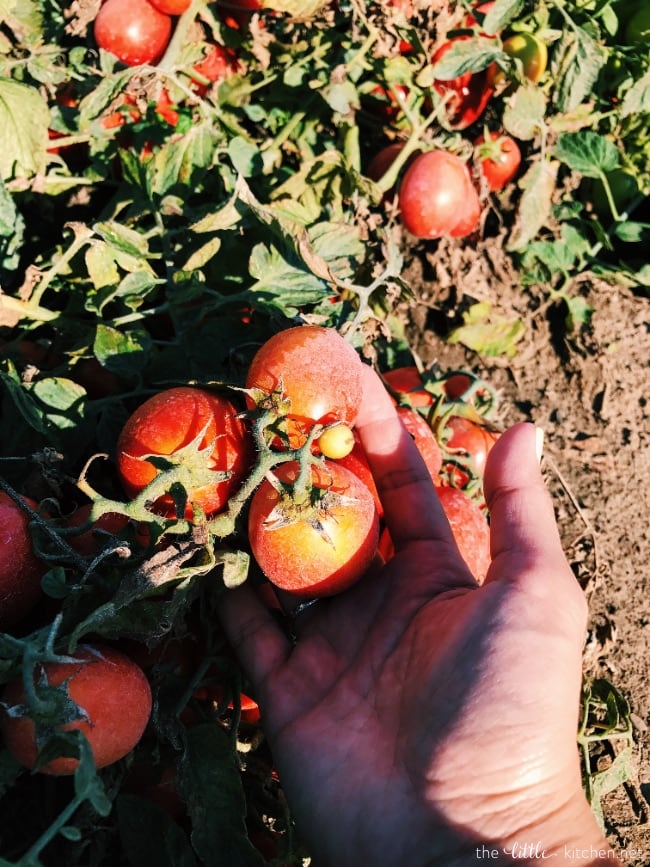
(588, 389)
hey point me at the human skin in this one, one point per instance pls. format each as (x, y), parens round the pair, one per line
(421, 719)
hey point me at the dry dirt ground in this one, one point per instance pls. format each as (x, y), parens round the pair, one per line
(589, 390)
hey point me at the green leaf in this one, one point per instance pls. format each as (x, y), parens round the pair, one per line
(101, 265)
(587, 152)
(579, 60)
(179, 160)
(122, 238)
(488, 333)
(467, 55)
(24, 120)
(245, 156)
(501, 14)
(523, 116)
(578, 311)
(535, 205)
(235, 567)
(61, 400)
(210, 783)
(12, 230)
(124, 353)
(101, 96)
(631, 232)
(637, 99)
(149, 836)
(21, 398)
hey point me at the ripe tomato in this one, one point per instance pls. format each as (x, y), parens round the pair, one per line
(357, 463)
(320, 549)
(171, 7)
(20, 570)
(499, 159)
(532, 53)
(166, 108)
(470, 438)
(470, 529)
(437, 197)
(336, 441)
(319, 371)
(407, 381)
(385, 100)
(167, 423)
(133, 30)
(113, 693)
(424, 439)
(237, 13)
(467, 95)
(218, 63)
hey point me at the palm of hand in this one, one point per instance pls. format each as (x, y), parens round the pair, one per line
(380, 706)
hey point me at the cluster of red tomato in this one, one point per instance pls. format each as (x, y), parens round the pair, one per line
(314, 515)
(438, 194)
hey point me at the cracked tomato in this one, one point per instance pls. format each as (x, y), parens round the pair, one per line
(318, 544)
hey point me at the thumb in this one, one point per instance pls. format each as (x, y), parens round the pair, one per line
(524, 538)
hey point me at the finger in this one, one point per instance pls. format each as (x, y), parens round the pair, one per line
(524, 537)
(257, 639)
(411, 507)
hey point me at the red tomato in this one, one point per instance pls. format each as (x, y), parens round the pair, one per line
(20, 570)
(319, 371)
(424, 439)
(385, 101)
(166, 108)
(470, 438)
(171, 7)
(456, 385)
(113, 693)
(320, 550)
(467, 95)
(470, 529)
(437, 197)
(218, 63)
(408, 381)
(133, 30)
(499, 159)
(170, 421)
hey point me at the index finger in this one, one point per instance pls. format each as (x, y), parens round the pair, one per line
(411, 506)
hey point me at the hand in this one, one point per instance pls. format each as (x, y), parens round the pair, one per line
(420, 717)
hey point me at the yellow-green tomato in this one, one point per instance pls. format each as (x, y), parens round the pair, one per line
(336, 441)
(532, 53)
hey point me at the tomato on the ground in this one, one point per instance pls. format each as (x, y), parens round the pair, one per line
(318, 371)
(408, 381)
(437, 197)
(133, 30)
(20, 569)
(469, 438)
(318, 549)
(168, 423)
(498, 159)
(113, 694)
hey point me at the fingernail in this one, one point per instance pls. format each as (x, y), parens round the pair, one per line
(539, 443)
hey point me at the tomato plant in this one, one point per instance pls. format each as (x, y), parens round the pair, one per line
(201, 431)
(20, 569)
(217, 63)
(498, 158)
(466, 96)
(133, 30)
(319, 544)
(103, 694)
(637, 28)
(317, 371)
(437, 197)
